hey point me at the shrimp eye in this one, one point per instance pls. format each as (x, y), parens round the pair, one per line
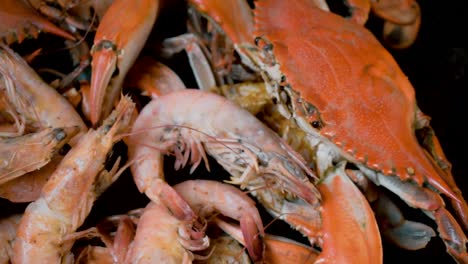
(257, 40)
(316, 124)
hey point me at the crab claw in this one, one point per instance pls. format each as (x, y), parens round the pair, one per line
(18, 20)
(402, 21)
(350, 231)
(103, 66)
(117, 44)
(238, 28)
(401, 36)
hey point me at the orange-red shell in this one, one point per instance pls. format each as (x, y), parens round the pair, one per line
(366, 102)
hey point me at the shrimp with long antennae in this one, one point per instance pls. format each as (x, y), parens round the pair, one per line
(189, 122)
(20, 155)
(45, 233)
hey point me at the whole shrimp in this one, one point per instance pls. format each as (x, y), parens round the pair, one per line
(209, 197)
(20, 155)
(45, 233)
(189, 122)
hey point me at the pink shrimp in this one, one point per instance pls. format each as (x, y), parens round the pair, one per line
(209, 197)
(190, 122)
(33, 98)
(162, 238)
(45, 233)
(8, 228)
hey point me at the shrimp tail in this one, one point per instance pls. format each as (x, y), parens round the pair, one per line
(172, 200)
(250, 231)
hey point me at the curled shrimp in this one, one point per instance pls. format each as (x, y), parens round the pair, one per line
(40, 104)
(45, 233)
(189, 122)
(209, 197)
(162, 238)
(20, 155)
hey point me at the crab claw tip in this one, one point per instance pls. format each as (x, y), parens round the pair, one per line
(103, 66)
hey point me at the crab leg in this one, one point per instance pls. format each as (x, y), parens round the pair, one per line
(18, 21)
(163, 238)
(350, 231)
(401, 232)
(359, 10)
(119, 39)
(431, 143)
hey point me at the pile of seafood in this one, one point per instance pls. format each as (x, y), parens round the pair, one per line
(292, 116)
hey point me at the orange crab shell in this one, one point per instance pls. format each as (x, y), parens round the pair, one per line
(367, 104)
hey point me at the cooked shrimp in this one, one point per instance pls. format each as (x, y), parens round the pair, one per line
(11, 123)
(190, 122)
(45, 231)
(8, 228)
(32, 98)
(153, 78)
(27, 188)
(95, 255)
(209, 197)
(163, 238)
(20, 155)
